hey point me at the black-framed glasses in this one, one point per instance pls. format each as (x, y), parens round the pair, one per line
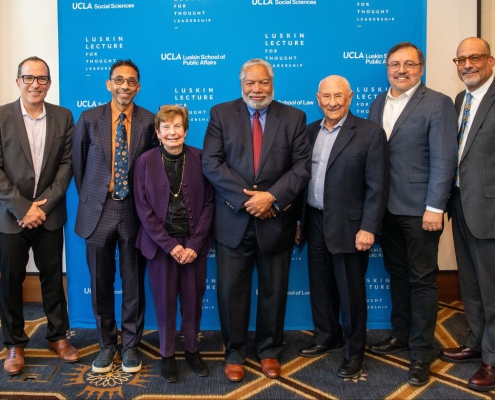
(408, 65)
(42, 79)
(120, 81)
(473, 59)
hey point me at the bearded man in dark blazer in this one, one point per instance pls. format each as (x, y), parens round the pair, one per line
(473, 210)
(345, 204)
(255, 185)
(35, 172)
(106, 215)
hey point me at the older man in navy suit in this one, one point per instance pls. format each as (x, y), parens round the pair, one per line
(107, 141)
(421, 127)
(473, 210)
(346, 201)
(257, 156)
(35, 171)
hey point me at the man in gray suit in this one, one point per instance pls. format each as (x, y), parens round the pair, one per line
(473, 210)
(421, 127)
(35, 171)
(107, 217)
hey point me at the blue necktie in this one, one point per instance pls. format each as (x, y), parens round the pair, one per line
(460, 136)
(121, 182)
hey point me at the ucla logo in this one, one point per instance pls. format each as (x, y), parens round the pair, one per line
(352, 54)
(261, 2)
(81, 6)
(86, 103)
(171, 56)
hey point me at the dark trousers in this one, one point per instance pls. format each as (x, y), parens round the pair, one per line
(234, 277)
(336, 284)
(14, 255)
(476, 265)
(411, 259)
(116, 226)
(170, 280)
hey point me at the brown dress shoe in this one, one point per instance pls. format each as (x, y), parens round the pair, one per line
(14, 362)
(460, 354)
(484, 379)
(270, 367)
(65, 350)
(234, 372)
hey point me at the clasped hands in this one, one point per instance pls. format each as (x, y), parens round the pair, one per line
(183, 255)
(260, 204)
(34, 217)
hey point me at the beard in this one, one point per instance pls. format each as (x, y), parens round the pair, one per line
(471, 80)
(259, 105)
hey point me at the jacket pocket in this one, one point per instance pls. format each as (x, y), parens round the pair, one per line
(355, 215)
(415, 178)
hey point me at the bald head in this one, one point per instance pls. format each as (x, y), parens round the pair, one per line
(335, 79)
(334, 98)
(474, 62)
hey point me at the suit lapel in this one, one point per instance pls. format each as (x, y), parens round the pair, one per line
(105, 133)
(50, 133)
(272, 124)
(136, 133)
(410, 106)
(345, 135)
(20, 130)
(483, 109)
(244, 124)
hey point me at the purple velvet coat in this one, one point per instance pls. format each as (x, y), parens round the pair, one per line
(152, 193)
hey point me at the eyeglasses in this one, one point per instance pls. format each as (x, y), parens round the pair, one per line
(120, 81)
(42, 80)
(473, 58)
(408, 65)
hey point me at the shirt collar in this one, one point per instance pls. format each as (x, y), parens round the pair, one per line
(252, 110)
(338, 125)
(482, 89)
(116, 112)
(409, 93)
(25, 113)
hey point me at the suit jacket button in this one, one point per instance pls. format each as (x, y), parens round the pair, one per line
(255, 187)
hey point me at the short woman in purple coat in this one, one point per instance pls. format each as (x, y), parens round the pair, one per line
(174, 202)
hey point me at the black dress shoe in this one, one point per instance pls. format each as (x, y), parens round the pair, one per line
(350, 368)
(419, 373)
(169, 369)
(315, 350)
(196, 363)
(390, 345)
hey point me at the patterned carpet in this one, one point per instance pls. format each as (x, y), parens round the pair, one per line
(384, 377)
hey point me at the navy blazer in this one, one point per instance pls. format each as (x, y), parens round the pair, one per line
(17, 170)
(92, 160)
(477, 168)
(356, 182)
(423, 151)
(284, 170)
(152, 194)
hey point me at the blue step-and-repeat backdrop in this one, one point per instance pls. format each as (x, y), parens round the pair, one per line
(190, 52)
